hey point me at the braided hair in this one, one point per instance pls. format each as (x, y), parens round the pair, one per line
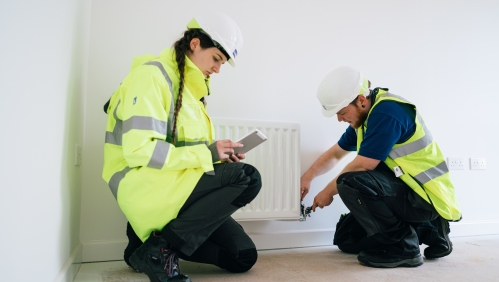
(182, 48)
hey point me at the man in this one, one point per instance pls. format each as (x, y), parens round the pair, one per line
(397, 181)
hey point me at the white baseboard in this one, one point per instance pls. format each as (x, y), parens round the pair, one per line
(71, 267)
(293, 239)
(103, 250)
(475, 228)
(113, 250)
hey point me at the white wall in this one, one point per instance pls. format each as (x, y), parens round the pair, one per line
(43, 51)
(442, 55)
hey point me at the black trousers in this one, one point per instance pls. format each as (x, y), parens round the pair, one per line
(204, 231)
(387, 208)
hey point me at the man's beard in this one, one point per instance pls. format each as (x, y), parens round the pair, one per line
(362, 118)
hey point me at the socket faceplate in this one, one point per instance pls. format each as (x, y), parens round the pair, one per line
(455, 163)
(478, 163)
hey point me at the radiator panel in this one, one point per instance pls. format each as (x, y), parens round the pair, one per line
(278, 162)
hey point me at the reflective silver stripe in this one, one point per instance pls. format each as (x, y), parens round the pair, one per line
(115, 180)
(144, 123)
(111, 138)
(115, 137)
(140, 122)
(192, 143)
(432, 173)
(171, 116)
(163, 71)
(414, 146)
(396, 96)
(158, 157)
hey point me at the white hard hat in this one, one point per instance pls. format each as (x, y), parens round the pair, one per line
(223, 30)
(339, 88)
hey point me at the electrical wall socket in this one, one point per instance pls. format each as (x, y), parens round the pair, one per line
(455, 163)
(478, 163)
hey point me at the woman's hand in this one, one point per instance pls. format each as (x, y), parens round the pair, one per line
(226, 152)
(235, 158)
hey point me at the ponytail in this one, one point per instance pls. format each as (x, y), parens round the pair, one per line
(182, 48)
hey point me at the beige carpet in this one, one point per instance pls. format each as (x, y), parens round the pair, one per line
(473, 259)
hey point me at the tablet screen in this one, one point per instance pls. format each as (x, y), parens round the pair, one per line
(250, 141)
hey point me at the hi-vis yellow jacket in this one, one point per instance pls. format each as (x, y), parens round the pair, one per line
(421, 164)
(149, 176)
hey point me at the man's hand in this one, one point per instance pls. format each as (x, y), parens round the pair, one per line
(323, 199)
(304, 186)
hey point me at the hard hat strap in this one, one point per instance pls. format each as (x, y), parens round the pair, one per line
(217, 45)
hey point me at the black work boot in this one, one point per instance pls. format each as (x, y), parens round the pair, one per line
(134, 243)
(157, 260)
(387, 259)
(402, 253)
(440, 244)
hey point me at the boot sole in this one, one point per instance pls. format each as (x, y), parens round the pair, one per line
(438, 255)
(413, 262)
(143, 268)
(444, 253)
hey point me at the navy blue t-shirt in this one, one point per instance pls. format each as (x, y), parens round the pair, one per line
(389, 123)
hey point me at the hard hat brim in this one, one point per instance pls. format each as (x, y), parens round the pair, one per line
(328, 113)
(337, 108)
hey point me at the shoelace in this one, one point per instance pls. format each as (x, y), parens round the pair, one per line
(170, 259)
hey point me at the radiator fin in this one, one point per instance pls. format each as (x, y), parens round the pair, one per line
(278, 161)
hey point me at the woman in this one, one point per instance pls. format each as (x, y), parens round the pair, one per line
(176, 186)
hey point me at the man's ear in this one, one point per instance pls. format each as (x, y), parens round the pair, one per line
(195, 42)
(361, 100)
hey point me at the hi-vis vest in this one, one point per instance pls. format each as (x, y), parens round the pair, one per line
(149, 176)
(420, 164)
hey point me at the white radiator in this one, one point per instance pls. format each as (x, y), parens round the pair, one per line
(277, 159)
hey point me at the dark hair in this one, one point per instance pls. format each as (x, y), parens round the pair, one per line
(182, 47)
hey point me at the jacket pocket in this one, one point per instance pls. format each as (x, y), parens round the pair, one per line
(190, 134)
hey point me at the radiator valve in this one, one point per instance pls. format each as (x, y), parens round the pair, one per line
(304, 212)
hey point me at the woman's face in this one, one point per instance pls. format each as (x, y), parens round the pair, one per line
(207, 60)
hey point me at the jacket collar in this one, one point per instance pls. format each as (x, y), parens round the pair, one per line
(194, 79)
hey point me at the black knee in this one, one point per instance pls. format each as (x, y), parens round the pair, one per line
(344, 180)
(243, 262)
(253, 182)
(365, 182)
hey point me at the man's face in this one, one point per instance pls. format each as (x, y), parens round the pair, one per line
(353, 114)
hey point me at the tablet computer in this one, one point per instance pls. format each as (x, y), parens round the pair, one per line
(250, 141)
